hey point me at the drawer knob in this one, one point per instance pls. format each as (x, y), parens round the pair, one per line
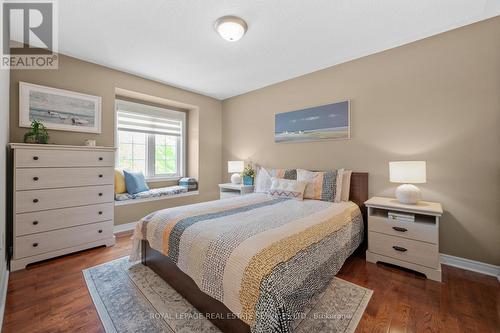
(35, 244)
(35, 200)
(400, 229)
(399, 248)
(100, 231)
(100, 176)
(100, 158)
(100, 194)
(100, 213)
(35, 179)
(35, 158)
(35, 222)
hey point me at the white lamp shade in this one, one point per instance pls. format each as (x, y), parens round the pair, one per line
(407, 172)
(235, 166)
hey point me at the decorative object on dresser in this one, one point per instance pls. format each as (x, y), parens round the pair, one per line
(59, 109)
(235, 167)
(408, 173)
(233, 190)
(63, 200)
(405, 235)
(37, 133)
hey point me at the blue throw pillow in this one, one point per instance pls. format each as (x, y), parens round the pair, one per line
(135, 182)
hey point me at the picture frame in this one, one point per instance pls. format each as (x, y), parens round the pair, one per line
(319, 123)
(59, 109)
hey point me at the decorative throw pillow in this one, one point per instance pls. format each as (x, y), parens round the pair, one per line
(287, 188)
(135, 182)
(321, 185)
(346, 185)
(120, 186)
(263, 177)
(338, 191)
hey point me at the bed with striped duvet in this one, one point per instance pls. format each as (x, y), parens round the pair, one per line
(263, 257)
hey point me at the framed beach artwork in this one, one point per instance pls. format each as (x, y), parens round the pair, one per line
(325, 122)
(59, 109)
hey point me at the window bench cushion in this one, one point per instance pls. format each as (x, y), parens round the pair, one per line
(152, 193)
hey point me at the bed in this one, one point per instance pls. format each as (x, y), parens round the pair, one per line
(252, 263)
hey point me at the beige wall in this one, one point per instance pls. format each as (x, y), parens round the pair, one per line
(437, 100)
(4, 140)
(88, 78)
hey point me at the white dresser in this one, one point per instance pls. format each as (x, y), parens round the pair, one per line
(413, 245)
(63, 200)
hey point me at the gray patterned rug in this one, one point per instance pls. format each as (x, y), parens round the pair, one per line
(132, 298)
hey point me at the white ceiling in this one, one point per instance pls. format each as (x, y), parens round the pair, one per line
(174, 42)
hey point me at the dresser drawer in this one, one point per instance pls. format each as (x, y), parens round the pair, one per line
(27, 158)
(35, 200)
(422, 231)
(416, 252)
(30, 245)
(30, 223)
(39, 178)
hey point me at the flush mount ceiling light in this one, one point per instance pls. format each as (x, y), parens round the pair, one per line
(231, 28)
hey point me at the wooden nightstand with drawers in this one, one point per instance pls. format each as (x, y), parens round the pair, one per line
(405, 235)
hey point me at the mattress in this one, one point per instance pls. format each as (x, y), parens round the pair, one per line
(263, 257)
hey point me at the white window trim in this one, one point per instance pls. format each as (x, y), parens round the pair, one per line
(182, 161)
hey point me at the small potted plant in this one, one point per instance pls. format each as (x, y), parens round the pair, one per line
(37, 134)
(248, 175)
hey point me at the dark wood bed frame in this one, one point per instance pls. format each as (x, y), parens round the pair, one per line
(213, 309)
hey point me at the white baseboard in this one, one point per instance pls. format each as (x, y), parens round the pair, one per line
(124, 227)
(471, 265)
(3, 295)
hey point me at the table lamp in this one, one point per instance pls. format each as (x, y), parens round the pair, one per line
(235, 167)
(408, 173)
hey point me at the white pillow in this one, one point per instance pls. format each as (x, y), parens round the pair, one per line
(338, 190)
(262, 180)
(346, 185)
(287, 188)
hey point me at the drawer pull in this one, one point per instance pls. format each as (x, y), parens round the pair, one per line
(100, 194)
(100, 231)
(100, 213)
(100, 158)
(35, 179)
(35, 244)
(400, 229)
(35, 158)
(100, 176)
(35, 222)
(35, 200)
(399, 248)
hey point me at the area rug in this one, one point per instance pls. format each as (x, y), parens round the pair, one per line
(132, 298)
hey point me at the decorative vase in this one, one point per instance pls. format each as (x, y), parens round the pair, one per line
(247, 180)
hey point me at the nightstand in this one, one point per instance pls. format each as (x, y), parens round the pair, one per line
(233, 190)
(395, 239)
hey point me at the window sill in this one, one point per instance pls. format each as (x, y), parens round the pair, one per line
(162, 179)
(166, 197)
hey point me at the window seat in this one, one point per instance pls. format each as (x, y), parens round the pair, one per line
(152, 195)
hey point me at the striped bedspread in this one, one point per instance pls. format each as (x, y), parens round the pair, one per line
(263, 257)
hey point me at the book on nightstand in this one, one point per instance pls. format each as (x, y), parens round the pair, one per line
(401, 217)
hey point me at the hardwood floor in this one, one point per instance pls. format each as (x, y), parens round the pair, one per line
(52, 297)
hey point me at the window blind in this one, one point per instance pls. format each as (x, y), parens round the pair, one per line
(135, 117)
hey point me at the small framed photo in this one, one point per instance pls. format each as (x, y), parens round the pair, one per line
(59, 109)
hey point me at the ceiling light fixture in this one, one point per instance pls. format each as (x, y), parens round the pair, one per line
(231, 28)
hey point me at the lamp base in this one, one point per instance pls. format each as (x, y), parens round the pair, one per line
(408, 194)
(236, 178)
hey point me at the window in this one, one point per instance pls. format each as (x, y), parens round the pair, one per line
(151, 140)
